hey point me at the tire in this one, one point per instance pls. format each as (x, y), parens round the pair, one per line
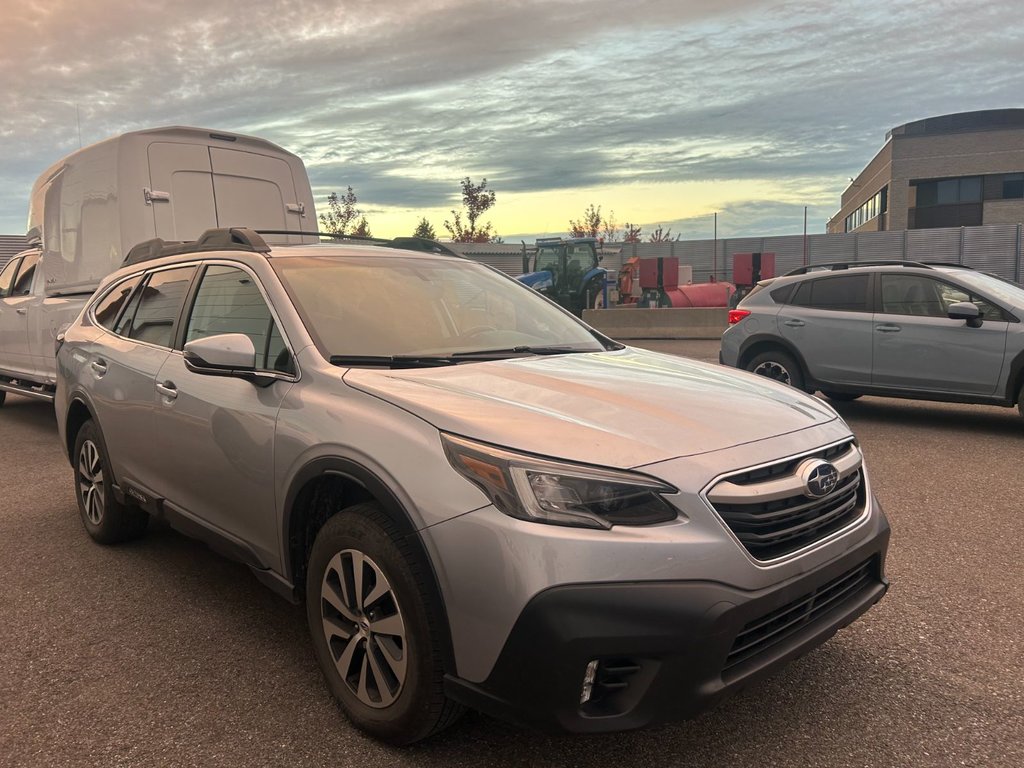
(778, 365)
(1020, 400)
(354, 634)
(3, 396)
(106, 520)
(840, 397)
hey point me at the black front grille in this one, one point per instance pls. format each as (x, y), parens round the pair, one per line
(772, 529)
(763, 633)
(786, 467)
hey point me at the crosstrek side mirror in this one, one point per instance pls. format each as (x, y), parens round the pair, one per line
(965, 310)
(221, 354)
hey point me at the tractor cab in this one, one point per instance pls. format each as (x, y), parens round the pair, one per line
(567, 271)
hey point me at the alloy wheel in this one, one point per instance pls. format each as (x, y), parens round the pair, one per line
(90, 482)
(364, 628)
(773, 370)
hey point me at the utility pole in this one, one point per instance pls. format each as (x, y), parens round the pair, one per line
(714, 275)
(805, 235)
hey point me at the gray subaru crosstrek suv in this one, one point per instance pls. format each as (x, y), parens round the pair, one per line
(481, 500)
(895, 329)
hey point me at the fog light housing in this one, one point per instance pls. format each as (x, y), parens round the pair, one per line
(588, 682)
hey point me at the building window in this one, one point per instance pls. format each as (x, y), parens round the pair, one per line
(949, 191)
(867, 211)
(1013, 186)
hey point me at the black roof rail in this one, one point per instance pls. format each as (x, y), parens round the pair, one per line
(232, 239)
(424, 244)
(834, 266)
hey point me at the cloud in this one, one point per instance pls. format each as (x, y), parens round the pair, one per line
(401, 99)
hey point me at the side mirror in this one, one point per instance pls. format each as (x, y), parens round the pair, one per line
(34, 236)
(224, 354)
(965, 310)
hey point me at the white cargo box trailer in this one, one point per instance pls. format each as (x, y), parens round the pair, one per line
(90, 208)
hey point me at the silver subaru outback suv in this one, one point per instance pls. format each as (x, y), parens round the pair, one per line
(482, 501)
(892, 328)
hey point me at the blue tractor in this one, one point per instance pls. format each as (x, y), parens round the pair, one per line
(567, 270)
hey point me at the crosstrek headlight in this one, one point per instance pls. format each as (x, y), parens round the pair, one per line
(545, 491)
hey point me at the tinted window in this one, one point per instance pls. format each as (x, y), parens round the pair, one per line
(23, 285)
(911, 295)
(159, 306)
(110, 307)
(842, 294)
(229, 301)
(7, 276)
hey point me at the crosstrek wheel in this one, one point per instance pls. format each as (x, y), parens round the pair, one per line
(778, 365)
(840, 397)
(106, 519)
(374, 630)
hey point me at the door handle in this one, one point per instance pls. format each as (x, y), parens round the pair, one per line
(99, 366)
(21, 311)
(168, 390)
(888, 328)
(795, 323)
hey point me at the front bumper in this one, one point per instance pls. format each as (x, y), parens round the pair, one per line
(666, 650)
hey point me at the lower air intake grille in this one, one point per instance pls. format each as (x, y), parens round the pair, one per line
(759, 635)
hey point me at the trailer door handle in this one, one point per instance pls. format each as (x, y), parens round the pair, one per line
(153, 196)
(888, 328)
(795, 323)
(21, 311)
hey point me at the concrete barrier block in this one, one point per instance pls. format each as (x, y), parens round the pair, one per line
(665, 323)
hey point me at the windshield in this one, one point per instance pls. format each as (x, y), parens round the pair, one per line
(374, 306)
(997, 288)
(547, 259)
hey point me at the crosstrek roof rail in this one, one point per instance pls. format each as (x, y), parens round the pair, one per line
(833, 266)
(243, 239)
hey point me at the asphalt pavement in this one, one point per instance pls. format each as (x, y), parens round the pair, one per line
(162, 653)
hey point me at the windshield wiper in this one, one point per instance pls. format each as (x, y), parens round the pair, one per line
(552, 349)
(391, 361)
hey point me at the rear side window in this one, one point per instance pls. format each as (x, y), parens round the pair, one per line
(108, 309)
(848, 293)
(230, 301)
(159, 306)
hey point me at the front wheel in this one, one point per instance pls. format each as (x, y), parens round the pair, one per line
(374, 630)
(777, 365)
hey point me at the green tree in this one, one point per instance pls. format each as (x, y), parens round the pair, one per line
(425, 229)
(341, 213)
(660, 235)
(476, 199)
(362, 228)
(632, 233)
(589, 225)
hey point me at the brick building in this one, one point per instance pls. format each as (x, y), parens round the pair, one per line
(957, 170)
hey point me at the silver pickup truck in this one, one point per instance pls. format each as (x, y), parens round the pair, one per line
(90, 208)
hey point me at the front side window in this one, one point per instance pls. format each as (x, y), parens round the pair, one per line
(229, 301)
(912, 295)
(7, 277)
(848, 293)
(159, 306)
(23, 284)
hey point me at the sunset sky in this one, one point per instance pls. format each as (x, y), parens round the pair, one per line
(663, 111)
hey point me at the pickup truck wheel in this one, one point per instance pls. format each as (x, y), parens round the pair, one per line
(3, 396)
(106, 520)
(776, 364)
(374, 631)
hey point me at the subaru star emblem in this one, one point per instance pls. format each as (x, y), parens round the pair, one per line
(820, 478)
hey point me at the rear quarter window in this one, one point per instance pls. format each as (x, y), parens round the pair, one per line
(848, 293)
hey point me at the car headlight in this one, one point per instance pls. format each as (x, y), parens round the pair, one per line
(544, 491)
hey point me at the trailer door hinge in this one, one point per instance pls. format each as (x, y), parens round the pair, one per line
(152, 196)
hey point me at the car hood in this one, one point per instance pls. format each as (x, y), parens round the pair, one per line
(621, 409)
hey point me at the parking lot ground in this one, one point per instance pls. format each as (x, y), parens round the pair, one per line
(162, 653)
